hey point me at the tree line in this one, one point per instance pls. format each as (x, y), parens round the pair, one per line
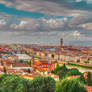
(14, 83)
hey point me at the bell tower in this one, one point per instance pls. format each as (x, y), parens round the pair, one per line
(61, 42)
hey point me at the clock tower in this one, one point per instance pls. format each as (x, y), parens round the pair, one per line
(61, 43)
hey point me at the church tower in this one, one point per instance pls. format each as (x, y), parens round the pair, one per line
(61, 43)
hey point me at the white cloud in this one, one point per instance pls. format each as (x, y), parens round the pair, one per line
(78, 0)
(47, 7)
(37, 6)
(28, 24)
(53, 23)
(79, 18)
(2, 23)
(76, 33)
(89, 1)
(44, 24)
(87, 26)
(50, 8)
(6, 2)
(46, 27)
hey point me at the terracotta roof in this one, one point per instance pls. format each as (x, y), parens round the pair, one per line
(42, 62)
(89, 88)
(20, 65)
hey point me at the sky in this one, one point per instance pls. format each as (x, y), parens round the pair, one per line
(46, 21)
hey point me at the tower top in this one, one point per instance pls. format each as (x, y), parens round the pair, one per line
(61, 42)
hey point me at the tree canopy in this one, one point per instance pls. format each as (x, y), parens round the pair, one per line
(14, 83)
(89, 79)
(73, 72)
(63, 72)
(70, 85)
(42, 84)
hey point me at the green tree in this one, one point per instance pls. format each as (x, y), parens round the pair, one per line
(78, 60)
(70, 85)
(64, 68)
(5, 71)
(73, 72)
(89, 80)
(21, 61)
(7, 82)
(56, 69)
(29, 63)
(60, 70)
(21, 85)
(42, 84)
(62, 74)
(86, 61)
(2, 63)
(28, 71)
(63, 71)
(13, 83)
(52, 56)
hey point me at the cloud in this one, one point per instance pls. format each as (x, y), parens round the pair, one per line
(31, 24)
(78, 0)
(89, 1)
(47, 7)
(87, 26)
(40, 24)
(80, 18)
(49, 26)
(53, 7)
(76, 34)
(2, 23)
(50, 7)
(47, 23)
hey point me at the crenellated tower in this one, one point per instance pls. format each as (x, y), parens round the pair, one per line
(61, 43)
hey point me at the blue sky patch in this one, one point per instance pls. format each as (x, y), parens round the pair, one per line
(26, 14)
(20, 13)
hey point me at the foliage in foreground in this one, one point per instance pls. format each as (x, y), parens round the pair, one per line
(40, 84)
(88, 81)
(13, 83)
(70, 85)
